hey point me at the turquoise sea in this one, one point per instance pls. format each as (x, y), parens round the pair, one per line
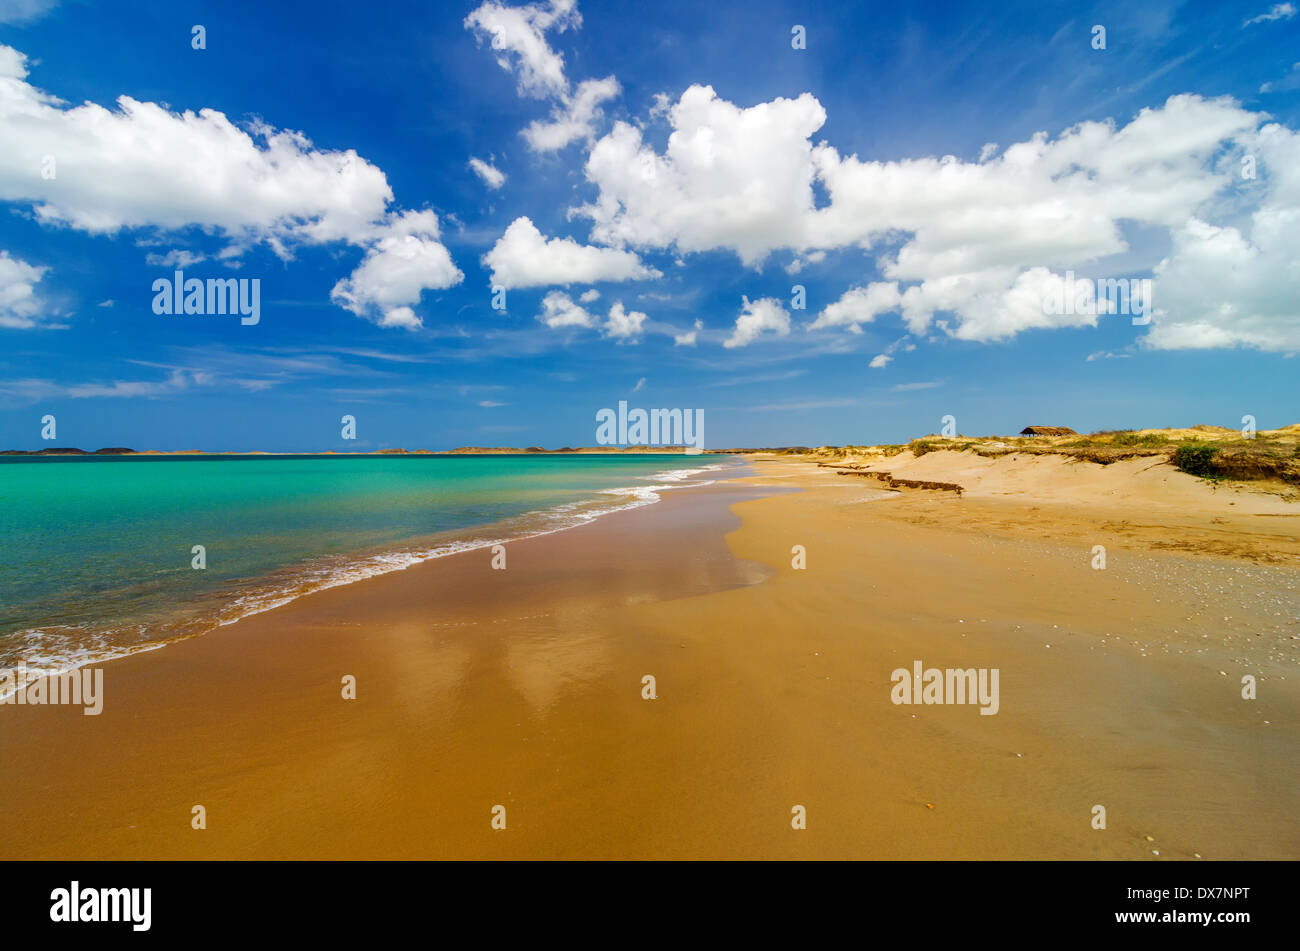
(97, 557)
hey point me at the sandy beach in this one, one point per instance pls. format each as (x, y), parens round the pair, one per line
(524, 688)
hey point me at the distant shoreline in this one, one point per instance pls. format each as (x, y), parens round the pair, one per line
(461, 451)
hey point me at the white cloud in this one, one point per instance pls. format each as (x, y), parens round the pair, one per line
(492, 177)
(983, 236)
(20, 308)
(573, 118)
(1279, 11)
(144, 166)
(661, 104)
(523, 257)
(404, 317)
(559, 310)
(730, 178)
(519, 32)
(801, 261)
(1224, 286)
(880, 361)
(106, 303)
(987, 308)
(624, 324)
(687, 337)
(860, 305)
(405, 259)
(178, 258)
(19, 12)
(976, 242)
(640, 385)
(590, 296)
(758, 317)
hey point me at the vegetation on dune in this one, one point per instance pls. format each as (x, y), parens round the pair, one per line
(1195, 458)
(1208, 452)
(1145, 440)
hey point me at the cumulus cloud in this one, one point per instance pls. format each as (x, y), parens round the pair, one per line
(756, 318)
(732, 178)
(624, 325)
(687, 337)
(492, 177)
(983, 237)
(142, 166)
(880, 361)
(559, 310)
(405, 259)
(860, 305)
(589, 296)
(573, 118)
(970, 248)
(523, 257)
(518, 34)
(1223, 285)
(20, 308)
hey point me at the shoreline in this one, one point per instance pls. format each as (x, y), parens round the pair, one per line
(523, 688)
(100, 454)
(289, 583)
(160, 706)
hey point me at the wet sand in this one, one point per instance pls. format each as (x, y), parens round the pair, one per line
(523, 688)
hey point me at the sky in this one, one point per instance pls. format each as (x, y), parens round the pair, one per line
(481, 224)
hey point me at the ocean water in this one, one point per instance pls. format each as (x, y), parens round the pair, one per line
(97, 552)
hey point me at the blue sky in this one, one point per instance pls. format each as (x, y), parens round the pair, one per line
(927, 173)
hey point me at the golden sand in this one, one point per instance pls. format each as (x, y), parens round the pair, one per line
(524, 688)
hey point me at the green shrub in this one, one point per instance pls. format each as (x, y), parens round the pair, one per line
(1145, 440)
(920, 447)
(1196, 458)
